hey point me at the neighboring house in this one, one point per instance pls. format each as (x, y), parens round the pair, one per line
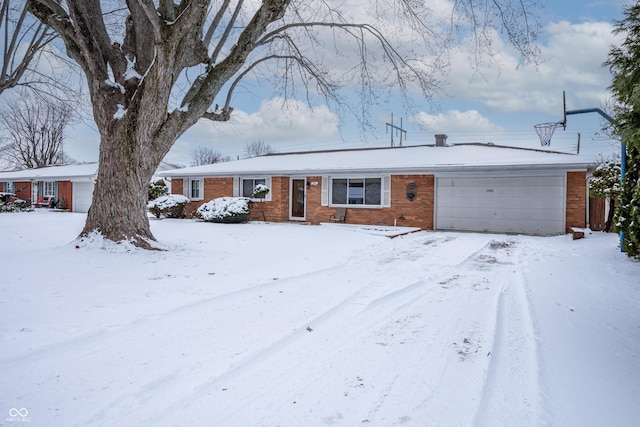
(469, 187)
(71, 183)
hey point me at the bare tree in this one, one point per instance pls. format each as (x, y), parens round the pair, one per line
(207, 156)
(34, 132)
(257, 148)
(140, 61)
(23, 41)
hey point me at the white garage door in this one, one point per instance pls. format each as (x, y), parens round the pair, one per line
(82, 196)
(505, 204)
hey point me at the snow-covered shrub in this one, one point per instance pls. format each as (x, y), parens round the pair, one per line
(225, 209)
(18, 205)
(157, 189)
(169, 206)
(260, 191)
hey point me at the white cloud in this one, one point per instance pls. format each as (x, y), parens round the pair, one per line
(455, 121)
(285, 125)
(571, 60)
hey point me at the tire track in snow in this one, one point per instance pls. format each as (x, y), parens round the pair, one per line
(511, 389)
(360, 312)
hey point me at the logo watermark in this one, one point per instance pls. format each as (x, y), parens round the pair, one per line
(20, 415)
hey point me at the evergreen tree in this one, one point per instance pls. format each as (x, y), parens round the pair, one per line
(605, 184)
(157, 189)
(624, 63)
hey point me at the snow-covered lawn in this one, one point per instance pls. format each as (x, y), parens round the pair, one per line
(295, 325)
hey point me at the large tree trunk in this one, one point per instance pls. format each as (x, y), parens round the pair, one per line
(119, 211)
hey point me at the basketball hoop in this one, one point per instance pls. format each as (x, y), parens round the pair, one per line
(545, 132)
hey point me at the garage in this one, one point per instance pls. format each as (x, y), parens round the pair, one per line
(501, 204)
(82, 196)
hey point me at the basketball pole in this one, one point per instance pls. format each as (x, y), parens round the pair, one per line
(623, 148)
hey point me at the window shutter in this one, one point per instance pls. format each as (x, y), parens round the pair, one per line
(386, 191)
(55, 189)
(325, 191)
(185, 187)
(268, 184)
(236, 186)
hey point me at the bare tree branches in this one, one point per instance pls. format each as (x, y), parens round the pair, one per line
(143, 99)
(257, 148)
(23, 41)
(206, 156)
(34, 132)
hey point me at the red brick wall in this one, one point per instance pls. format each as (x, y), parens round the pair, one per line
(22, 190)
(277, 209)
(65, 189)
(576, 200)
(177, 185)
(402, 212)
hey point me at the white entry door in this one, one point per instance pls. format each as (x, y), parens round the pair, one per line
(501, 204)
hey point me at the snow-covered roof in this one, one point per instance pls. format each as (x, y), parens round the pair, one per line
(58, 173)
(411, 159)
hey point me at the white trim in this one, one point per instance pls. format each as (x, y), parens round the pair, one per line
(386, 191)
(236, 186)
(325, 191)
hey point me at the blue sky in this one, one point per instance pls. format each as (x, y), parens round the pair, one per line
(501, 104)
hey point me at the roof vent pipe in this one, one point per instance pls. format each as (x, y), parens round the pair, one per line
(441, 140)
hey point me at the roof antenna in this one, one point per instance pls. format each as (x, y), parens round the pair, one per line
(398, 130)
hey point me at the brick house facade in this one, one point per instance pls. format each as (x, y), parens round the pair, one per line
(407, 196)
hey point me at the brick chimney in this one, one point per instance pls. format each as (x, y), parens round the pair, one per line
(441, 140)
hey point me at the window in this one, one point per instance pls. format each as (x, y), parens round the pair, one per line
(247, 185)
(194, 189)
(48, 189)
(356, 191)
(8, 187)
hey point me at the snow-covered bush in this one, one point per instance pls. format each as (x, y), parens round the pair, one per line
(157, 189)
(225, 209)
(18, 205)
(169, 206)
(260, 191)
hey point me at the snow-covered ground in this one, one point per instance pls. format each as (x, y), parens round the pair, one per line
(295, 325)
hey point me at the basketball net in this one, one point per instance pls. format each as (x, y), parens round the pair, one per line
(545, 132)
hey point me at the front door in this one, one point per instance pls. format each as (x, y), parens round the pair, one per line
(297, 198)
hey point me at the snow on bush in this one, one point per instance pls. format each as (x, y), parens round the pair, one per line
(18, 205)
(260, 191)
(171, 206)
(225, 209)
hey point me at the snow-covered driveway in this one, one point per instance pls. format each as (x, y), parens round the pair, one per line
(283, 324)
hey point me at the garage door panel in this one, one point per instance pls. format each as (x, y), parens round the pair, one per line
(502, 214)
(531, 204)
(494, 192)
(82, 196)
(504, 226)
(502, 202)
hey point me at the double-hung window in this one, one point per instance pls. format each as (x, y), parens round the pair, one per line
(194, 189)
(48, 189)
(356, 191)
(247, 185)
